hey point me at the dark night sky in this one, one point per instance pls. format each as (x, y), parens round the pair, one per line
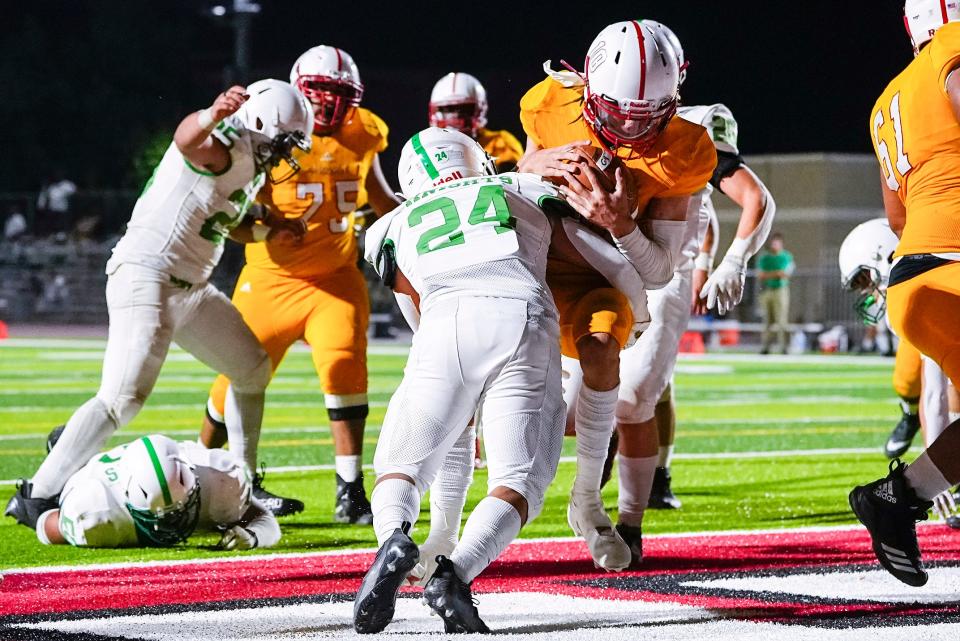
(798, 76)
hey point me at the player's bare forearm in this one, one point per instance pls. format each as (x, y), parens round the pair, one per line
(51, 528)
(896, 212)
(743, 188)
(379, 194)
(193, 138)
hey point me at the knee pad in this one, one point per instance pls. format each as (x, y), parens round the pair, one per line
(256, 379)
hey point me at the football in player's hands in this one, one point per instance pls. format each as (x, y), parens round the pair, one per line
(604, 165)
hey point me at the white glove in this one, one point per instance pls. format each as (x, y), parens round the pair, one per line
(427, 565)
(724, 289)
(944, 505)
(238, 537)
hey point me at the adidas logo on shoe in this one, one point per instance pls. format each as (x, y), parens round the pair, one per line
(885, 492)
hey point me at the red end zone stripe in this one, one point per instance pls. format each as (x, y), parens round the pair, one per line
(550, 567)
(643, 60)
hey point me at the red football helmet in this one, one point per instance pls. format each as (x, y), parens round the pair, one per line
(329, 78)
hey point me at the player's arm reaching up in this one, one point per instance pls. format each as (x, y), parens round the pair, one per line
(193, 137)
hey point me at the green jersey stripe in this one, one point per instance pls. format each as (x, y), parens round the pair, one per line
(424, 158)
(167, 499)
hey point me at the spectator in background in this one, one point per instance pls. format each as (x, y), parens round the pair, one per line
(15, 224)
(774, 268)
(53, 204)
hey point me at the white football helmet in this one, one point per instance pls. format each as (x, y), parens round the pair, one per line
(632, 86)
(436, 156)
(278, 119)
(665, 32)
(458, 101)
(864, 259)
(329, 77)
(922, 18)
(163, 494)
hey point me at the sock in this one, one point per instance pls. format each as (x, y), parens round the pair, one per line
(910, 405)
(243, 415)
(636, 478)
(491, 527)
(594, 420)
(86, 433)
(924, 477)
(393, 502)
(449, 490)
(347, 466)
(664, 456)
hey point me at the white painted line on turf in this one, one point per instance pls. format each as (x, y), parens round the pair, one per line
(839, 451)
(259, 558)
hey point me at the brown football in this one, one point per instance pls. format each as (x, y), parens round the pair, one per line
(606, 165)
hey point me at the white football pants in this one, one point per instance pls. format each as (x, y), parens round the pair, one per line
(147, 312)
(647, 366)
(486, 352)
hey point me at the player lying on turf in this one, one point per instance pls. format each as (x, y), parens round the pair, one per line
(156, 492)
(864, 258)
(915, 127)
(157, 289)
(458, 101)
(470, 250)
(312, 289)
(625, 101)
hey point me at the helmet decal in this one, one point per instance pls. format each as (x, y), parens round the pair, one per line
(424, 157)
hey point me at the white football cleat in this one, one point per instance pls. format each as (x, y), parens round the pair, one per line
(589, 520)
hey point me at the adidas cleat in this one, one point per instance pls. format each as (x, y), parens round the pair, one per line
(633, 537)
(661, 495)
(278, 505)
(902, 436)
(589, 520)
(352, 504)
(890, 509)
(25, 508)
(377, 598)
(451, 599)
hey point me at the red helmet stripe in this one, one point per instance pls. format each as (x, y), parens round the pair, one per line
(339, 59)
(453, 89)
(643, 60)
(943, 11)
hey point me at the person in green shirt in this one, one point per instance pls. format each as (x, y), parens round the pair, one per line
(774, 268)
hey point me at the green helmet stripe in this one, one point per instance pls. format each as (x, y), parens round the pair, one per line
(424, 157)
(167, 499)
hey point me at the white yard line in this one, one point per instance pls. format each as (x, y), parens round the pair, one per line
(707, 456)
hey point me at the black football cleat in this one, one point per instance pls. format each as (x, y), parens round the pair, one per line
(633, 537)
(278, 505)
(890, 509)
(661, 495)
(54, 436)
(450, 597)
(953, 521)
(377, 598)
(902, 435)
(352, 504)
(25, 508)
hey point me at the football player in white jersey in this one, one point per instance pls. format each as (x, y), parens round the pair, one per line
(469, 248)
(646, 368)
(157, 289)
(156, 492)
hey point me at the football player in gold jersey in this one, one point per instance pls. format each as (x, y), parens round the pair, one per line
(310, 288)
(458, 101)
(915, 127)
(625, 102)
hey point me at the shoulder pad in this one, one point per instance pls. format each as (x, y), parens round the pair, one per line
(719, 122)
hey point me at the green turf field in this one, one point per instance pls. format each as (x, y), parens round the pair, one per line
(726, 405)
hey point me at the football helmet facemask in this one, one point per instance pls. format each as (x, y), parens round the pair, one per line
(458, 101)
(864, 259)
(329, 78)
(632, 86)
